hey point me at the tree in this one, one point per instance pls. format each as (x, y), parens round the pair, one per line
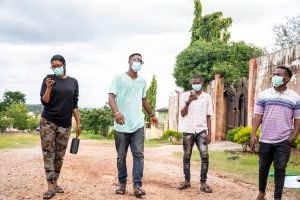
(151, 96)
(209, 27)
(98, 119)
(18, 112)
(287, 34)
(209, 58)
(5, 122)
(12, 97)
(210, 52)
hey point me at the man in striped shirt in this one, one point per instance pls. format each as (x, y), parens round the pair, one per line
(277, 110)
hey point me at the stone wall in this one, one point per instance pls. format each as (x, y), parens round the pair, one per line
(261, 69)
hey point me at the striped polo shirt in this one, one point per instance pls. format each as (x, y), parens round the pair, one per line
(278, 110)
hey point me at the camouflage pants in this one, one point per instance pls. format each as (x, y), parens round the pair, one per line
(54, 141)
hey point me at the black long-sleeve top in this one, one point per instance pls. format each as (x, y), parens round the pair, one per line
(63, 99)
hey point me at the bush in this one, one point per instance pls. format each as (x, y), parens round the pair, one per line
(243, 136)
(111, 135)
(231, 133)
(171, 134)
(298, 142)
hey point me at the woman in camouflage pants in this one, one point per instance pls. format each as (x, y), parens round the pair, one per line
(59, 95)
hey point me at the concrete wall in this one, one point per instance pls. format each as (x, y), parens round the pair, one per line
(261, 69)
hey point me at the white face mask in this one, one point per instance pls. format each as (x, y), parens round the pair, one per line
(196, 87)
(136, 66)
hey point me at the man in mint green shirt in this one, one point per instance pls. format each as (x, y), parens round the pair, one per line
(127, 98)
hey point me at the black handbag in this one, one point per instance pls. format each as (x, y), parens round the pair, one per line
(74, 145)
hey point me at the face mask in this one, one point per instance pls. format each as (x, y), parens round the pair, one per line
(59, 71)
(136, 66)
(277, 81)
(197, 87)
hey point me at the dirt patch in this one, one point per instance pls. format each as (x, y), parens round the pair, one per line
(92, 174)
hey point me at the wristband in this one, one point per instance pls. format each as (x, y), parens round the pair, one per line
(116, 113)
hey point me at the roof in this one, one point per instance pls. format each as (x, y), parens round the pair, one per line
(164, 109)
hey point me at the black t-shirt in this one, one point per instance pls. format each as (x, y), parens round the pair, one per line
(63, 99)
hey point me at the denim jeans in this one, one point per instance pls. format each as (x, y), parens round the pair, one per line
(279, 154)
(188, 142)
(136, 142)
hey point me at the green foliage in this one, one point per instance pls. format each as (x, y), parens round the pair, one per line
(209, 58)
(231, 133)
(243, 136)
(171, 135)
(18, 112)
(5, 122)
(298, 142)
(111, 135)
(12, 97)
(98, 119)
(33, 123)
(210, 52)
(209, 27)
(151, 97)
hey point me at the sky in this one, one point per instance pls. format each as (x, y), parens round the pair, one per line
(97, 36)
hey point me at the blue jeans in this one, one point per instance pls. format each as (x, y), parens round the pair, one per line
(136, 142)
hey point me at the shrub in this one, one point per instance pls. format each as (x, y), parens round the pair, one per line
(243, 136)
(231, 133)
(111, 135)
(171, 134)
(298, 142)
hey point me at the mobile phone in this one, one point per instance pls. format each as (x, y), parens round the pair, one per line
(51, 76)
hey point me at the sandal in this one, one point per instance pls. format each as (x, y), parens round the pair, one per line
(205, 188)
(58, 189)
(184, 185)
(139, 192)
(49, 194)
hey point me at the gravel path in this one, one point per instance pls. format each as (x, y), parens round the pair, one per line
(91, 174)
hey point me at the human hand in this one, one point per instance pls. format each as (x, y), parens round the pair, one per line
(49, 82)
(119, 118)
(78, 131)
(253, 141)
(154, 121)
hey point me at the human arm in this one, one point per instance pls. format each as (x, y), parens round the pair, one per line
(149, 111)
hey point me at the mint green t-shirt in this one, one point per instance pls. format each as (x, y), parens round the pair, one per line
(129, 94)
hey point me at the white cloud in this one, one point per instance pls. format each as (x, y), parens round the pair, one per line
(96, 38)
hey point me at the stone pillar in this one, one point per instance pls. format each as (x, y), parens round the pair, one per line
(219, 109)
(251, 89)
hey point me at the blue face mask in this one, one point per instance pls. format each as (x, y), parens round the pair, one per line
(277, 81)
(59, 71)
(197, 87)
(136, 66)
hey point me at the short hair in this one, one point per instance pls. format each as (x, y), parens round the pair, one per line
(288, 71)
(134, 54)
(196, 76)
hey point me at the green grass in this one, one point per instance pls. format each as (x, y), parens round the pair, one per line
(17, 141)
(243, 166)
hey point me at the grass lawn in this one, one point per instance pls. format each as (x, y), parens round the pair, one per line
(19, 140)
(243, 166)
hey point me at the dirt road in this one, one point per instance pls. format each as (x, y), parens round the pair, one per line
(91, 174)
